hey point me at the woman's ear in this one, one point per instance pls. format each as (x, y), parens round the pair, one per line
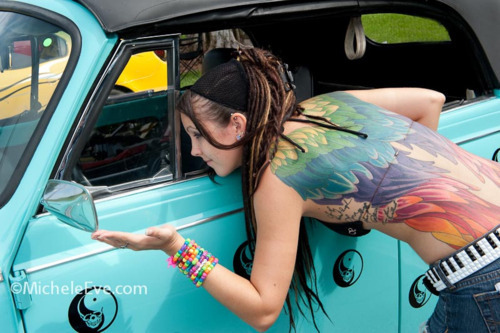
(239, 122)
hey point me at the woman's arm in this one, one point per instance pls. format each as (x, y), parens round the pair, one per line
(257, 301)
(420, 105)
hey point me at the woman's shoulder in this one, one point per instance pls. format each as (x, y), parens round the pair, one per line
(326, 104)
(327, 158)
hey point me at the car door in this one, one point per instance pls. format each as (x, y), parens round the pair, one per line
(125, 153)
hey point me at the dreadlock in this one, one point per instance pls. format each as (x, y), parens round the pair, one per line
(270, 103)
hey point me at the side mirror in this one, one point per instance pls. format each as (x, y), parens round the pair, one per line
(71, 203)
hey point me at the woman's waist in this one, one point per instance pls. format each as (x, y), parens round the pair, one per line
(466, 261)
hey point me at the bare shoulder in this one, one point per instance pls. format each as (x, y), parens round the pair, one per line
(272, 192)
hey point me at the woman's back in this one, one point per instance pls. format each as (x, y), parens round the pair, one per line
(403, 179)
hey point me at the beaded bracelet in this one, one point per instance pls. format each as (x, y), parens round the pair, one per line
(193, 261)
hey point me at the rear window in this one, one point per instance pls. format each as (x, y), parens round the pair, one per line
(400, 28)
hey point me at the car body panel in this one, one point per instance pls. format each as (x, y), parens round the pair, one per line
(145, 208)
(368, 284)
(25, 200)
(56, 266)
(474, 127)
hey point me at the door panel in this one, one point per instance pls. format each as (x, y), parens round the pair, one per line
(475, 127)
(357, 281)
(417, 303)
(146, 293)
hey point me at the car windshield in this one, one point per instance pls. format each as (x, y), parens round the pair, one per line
(33, 57)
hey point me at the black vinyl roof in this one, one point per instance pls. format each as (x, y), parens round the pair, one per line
(121, 15)
(124, 14)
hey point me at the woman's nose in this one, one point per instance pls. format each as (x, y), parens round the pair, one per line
(195, 150)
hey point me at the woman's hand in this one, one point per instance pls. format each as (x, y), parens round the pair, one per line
(164, 238)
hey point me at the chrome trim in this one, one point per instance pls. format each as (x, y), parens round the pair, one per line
(456, 105)
(133, 191)
(208, 219)
(123, 172)
(110, 248)
(1, 276)
(141, 189)
(477, 137)
(123, 46)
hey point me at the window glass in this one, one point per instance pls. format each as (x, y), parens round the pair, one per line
(33, 57)
(400, 28)
(131, 140)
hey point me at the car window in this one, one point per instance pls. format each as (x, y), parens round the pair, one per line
(390, 28)
(33, 57)
(131, 140)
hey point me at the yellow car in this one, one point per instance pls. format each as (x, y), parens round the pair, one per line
(144, 71)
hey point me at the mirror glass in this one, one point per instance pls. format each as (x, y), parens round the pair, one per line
(71, 203)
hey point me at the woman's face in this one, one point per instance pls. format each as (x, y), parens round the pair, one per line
(223, 161)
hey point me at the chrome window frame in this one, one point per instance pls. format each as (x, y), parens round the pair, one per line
(100, 90)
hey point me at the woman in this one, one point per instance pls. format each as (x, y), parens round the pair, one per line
(337, 159)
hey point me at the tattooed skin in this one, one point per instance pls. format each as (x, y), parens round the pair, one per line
(366, 212)
(402, 173)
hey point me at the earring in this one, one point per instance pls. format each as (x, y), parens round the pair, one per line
(238, 137)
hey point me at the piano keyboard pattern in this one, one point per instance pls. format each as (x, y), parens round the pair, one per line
(467, 261)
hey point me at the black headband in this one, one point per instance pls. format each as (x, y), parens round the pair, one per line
(225, 84)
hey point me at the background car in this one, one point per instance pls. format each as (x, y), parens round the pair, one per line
(143, 72)
(128, 150)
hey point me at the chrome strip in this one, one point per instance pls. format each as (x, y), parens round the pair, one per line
(208, 219)
(134, 191)
(110, 248)
(477, 137)
(452, 106)
(1, 276)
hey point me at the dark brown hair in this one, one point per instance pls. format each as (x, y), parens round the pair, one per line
(270, 104)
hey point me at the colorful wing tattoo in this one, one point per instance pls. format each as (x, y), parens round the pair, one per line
(385, 171)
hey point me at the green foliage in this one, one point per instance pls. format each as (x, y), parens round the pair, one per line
(399, 28)
(189, 78)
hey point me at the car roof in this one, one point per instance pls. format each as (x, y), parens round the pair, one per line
(125, 15)
(116, 16)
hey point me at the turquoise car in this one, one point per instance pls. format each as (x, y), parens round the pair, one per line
(76, 153)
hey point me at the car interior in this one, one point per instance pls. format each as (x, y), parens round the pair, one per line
(323, 56)
(316, 45)
(447, 66)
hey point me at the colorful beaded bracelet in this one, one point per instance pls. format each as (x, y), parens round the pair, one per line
(193, 261)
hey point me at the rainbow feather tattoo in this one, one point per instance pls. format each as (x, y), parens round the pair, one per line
(402, 173)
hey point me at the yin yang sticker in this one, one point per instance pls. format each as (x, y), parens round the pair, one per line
(348, 268)
(418, 295)
(92, 310)
(243, 260)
